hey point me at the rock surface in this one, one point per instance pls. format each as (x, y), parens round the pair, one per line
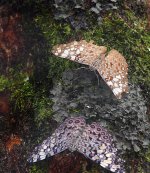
(80, 95)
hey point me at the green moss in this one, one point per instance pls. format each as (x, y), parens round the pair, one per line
(3, 82)
(58, 66)
(129, 37)
(146, 159)
(43, 109)
(55, 33)
(18, 85)
(126, 33)
(37, 169)
(147, 155)
(143, 161)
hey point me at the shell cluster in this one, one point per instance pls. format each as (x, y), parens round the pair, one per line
(112, 66)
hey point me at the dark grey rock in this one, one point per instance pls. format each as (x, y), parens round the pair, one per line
(80, 95)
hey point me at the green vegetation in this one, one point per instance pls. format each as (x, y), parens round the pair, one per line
(3, 83)
(128, 36)
(144, 158)
(125, 33)
(43, 108)
(21, 91)
(55, 33)
(37, 169)
(147, 155)
(23, 96)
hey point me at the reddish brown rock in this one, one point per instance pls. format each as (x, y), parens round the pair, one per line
(11, 41)
(67, 162)
(4, 104)
(12, 141)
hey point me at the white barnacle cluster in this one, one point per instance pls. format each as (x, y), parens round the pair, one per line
(112, 66)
